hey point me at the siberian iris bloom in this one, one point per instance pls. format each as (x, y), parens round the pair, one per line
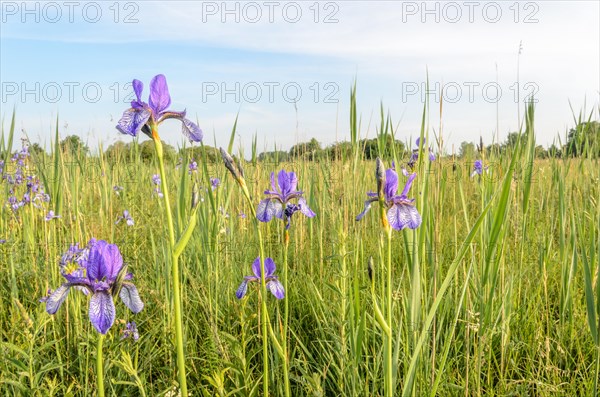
(415, 153)
(214, 183)
(478, 168)
(192, 167)
(105, 278)
(401, 211)
(126, 217)
(277, 204)
(51, 216)
(156, 181)
(272, 281)
(131, 331)
(142, 115)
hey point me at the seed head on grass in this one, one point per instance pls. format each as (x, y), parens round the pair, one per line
(104, 276)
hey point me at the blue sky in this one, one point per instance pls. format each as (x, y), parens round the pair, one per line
(75, 60)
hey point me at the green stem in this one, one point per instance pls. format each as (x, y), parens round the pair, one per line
(286, 376)
(99, 368)
(263, 292)
(389, 347)
(174, 267)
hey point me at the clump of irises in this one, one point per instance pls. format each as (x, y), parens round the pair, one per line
(99, 271)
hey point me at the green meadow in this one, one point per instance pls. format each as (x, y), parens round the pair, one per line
(496, 293)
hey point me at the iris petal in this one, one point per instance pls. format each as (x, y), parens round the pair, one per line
(242, 289)
(133, 120)
(102, 311)
(367, 208)
(304, 208)
(276, 288)
(159, 95)
(403, 215)
(56, 299)
(191, 130)
(131, 297)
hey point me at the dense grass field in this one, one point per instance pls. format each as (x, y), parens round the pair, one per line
(497, 292)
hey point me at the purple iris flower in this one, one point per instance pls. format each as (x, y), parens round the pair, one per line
(192, 167)
(279, 197)
(401, 211)
(126, 217)
(105, 278)
(51, 216)
(156, 181)
(272, 281)
(214, 183)
(478, 168)
(131, 331)
(415, 153)
(136, 118)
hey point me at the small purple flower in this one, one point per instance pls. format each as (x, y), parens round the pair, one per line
(2, 241)
(242, 215)
(105, 278)
(131, 331)
(478, 168)
(156, 181)
(214, 183)
(51, 216)
(272, 281)
(280, 196)
(117, 189)
(141, 114)
(415, 153)
(126, 217)
(401, 211)
(192, 167)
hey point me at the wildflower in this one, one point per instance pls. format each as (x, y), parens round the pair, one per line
(214, 183)
(192, 167)
(156, 181)
(401, 211)
(117, 189)
(279, 197)
(272, 281)
(415, 153)
(242, 215)
(105, 278)
(131, 331)
(142, 116)
(478, 168)
(126, 217)
(2, 241)
(51, 216)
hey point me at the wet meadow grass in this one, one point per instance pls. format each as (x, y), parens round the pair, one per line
(496, 293)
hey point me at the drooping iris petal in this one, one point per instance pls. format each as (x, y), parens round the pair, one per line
(431, 156)
(276, 288)
(419, 141)
(102, 311)
(305, 209)
(191, 130)
(403, 215)
(159, 95)
(138, 87)
(133, 120)
(131, 297)
(391, 183)
(56, 298)
(242, 289)
(267, 209)
(366, 209)
(269, 267)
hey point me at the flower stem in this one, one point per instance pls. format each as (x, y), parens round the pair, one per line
(174, 267)
(263, 291)
(286, 375)
(99, 367)
(389, 386)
